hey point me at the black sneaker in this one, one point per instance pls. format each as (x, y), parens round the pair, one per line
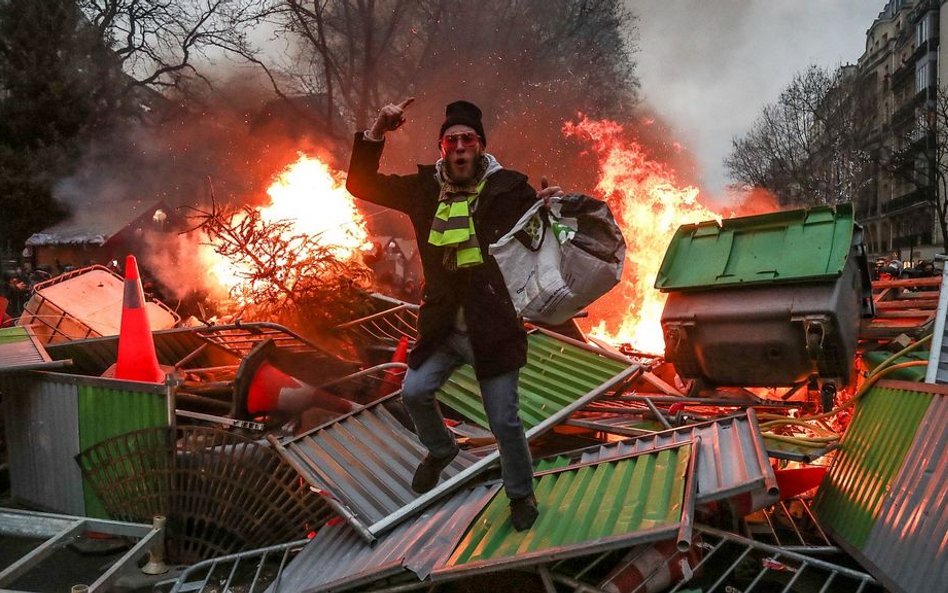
(429, 472)
(523, 512)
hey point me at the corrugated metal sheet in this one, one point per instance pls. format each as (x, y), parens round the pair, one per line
(487, 461)
(908, 543)
(107, 412)
(869, 457)
(892, 470)
(365, 461)
(338, 558)
(937, 371)
(556, 373)
(20, 351)
(732, 453)
(51, 417)
(582, 510)
(41, 420)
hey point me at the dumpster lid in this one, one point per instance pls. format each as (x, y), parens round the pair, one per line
(21, 351)
(793, 246)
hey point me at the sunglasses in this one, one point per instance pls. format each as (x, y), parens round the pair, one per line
(464, 139)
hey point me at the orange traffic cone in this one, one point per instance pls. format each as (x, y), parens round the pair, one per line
(262, 388)
(392, 381)
(137, 360)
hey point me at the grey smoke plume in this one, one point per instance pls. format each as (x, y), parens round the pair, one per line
(708, 67)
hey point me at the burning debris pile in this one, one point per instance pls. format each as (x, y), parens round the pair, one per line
(298, 259)
(738, 426)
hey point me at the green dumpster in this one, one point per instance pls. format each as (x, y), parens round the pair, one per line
(768, 300)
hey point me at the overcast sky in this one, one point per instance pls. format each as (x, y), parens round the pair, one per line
(708, 66)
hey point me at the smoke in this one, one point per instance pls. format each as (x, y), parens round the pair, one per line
(231, 141)
(710, 67)
(179, 264)
(751, 201)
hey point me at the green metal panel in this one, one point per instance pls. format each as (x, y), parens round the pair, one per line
(590, 504)
(875, 358)
(869, 458)
(793, 246)
(20, 350)
(555, 375)
(104, 413)
(11, 335)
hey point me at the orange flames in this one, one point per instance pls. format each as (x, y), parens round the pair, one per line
(312, 198)
(644, 195)
(649, 207)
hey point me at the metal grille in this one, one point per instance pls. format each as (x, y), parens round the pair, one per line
(241, 338)
(393, 321)
(222, 493)
(248, 572)
(790, 524)
(365, 461)
(722, 562)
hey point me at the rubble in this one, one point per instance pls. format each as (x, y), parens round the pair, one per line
(803, 476)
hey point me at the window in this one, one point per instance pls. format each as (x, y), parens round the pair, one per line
(924, 29)
(925, 71)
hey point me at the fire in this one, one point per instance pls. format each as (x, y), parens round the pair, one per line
(649, 206)
(314, 197)
(311, 199)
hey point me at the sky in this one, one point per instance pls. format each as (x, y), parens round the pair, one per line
(709, 66)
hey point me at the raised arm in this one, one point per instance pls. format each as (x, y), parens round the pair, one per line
(364, 181)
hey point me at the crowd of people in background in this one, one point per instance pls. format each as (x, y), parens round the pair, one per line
(894, 267)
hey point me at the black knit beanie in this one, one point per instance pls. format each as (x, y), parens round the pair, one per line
(466, 114)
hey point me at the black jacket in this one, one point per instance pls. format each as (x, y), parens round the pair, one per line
(497, 335)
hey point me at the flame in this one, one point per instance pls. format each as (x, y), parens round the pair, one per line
(312, 198)
(649, 206)
(309, 193)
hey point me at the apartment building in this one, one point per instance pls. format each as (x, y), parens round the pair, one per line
(899, 76)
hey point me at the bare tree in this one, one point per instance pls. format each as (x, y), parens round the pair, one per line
(154, 43)
(359, 54)
(807, 147)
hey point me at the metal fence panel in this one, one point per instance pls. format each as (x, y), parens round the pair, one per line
(585, 509)
(339, 558)
(108, 412)
(556, 373)
(41, 419)
(883, 499)
(937, 371)
(20, 351)
(365, 461)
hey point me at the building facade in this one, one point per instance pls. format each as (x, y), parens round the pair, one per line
(899, 75)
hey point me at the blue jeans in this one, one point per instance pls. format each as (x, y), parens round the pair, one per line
(501, 402)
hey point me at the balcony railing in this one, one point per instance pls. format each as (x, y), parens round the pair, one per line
(913, 198)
